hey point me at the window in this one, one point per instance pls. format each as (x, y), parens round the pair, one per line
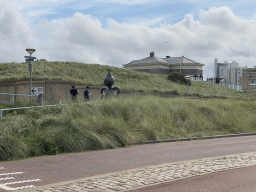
(253, 76)
(243, 81)
(247, 76)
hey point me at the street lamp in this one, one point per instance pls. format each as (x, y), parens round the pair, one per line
(187, 78)
(30, 51)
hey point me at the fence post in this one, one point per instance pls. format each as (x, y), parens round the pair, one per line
(39, 99)
(1, 113)
(13, 99)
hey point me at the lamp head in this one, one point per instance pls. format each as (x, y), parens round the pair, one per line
(30, 50)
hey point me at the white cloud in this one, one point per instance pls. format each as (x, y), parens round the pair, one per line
(81, 38)
(15, 34)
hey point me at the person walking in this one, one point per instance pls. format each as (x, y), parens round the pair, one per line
(74, 92)
(87, 94)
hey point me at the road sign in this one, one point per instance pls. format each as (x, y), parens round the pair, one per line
(30, 67)
(28, 57)
(37, 90)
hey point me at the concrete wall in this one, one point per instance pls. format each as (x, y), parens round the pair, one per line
(57, 90)
(149, 66)
(95, 90)
(22, 87)
(155, 71)
(184, 66)
(53, 90)
(165, 69)
(7, 88)
(189, 71)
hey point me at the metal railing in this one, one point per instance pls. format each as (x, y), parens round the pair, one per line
(236, 87)
(16, 94)
(31, 107)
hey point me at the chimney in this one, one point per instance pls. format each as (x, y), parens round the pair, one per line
(168, 56)
(152, 54)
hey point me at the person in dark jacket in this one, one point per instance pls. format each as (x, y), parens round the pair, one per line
(87, 94)
(74, 92)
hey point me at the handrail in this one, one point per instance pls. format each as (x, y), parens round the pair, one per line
(1, 110)
(15, 94)
(31, 107)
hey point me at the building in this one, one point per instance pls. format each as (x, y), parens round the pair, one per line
(166, 65)
(214, 79)
(229, 72)
(248, 80)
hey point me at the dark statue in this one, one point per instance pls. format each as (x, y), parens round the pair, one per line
(108, 91)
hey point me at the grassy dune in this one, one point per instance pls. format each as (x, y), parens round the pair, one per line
(117, 122)
(93, 74)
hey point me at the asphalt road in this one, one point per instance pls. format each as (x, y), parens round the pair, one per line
(44, 170)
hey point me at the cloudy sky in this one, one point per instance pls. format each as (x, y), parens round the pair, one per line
(114, 32)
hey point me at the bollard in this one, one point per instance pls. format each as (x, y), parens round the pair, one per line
(39, 100)
(13, 99)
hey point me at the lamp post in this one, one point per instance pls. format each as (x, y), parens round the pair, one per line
(187, 78)
(30, 51)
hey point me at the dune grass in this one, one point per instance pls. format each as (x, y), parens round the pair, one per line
(117, 122)
(93, 74)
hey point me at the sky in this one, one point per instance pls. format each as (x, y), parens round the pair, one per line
(115, 32)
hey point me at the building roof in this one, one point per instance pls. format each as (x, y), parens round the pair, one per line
(178, 60)
(148, 60)
(165, 61)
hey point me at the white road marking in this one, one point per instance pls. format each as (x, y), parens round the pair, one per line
(8, 188)
(6, 178)
(11, 173)
(25, 181)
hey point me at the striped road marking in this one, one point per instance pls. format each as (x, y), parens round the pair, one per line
(8, 188)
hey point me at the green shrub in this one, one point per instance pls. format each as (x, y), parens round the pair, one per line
(174, 92)
(178, 78)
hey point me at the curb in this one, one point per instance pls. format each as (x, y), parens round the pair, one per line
(192, 138)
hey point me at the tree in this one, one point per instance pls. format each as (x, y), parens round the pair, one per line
(178, 78)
